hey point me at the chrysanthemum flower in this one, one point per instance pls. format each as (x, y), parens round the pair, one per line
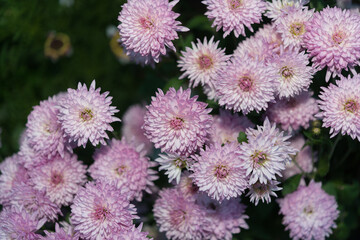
(266, 153)
(186, 185)
(281, 8)
(125, 166)
(173, 164)
(100, 211)
(292, 27)
(86, 115)
(271, 36)
(224, 219)
(33, 201)
(44, 133)
(28, 157)
(61, 178)
(15, 223)
(177, 123)
(234, 15)
(59, 234)
(340, 105)
(12, 174)
(302, 161)
(293, 113)
(133, 120)
(332, 39)
(293, 74)
(178, 217)
(227, 126)
(148, 27)
(134, 233)
(263, 191)
(218, 171)
(245, 85)
(202, 62)
(309, 212)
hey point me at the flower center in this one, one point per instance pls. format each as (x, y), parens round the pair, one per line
(338, 37)
(286, 72)
(121, 170)
(101, 213)
(180, 163)
(297, 29)
(177, 123)
(146, 23)
(86, 115)
(234, 4)
(205, 62)
(260, 189)
(177, 216)
(56, 178)
(245, 84)
(221, 171)
(56, 44)
(308, 210)
(351, 106)
(259, 158)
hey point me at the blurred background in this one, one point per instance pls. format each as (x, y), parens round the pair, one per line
(49, 46)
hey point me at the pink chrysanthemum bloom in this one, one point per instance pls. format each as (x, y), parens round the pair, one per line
(245, 85)
(227, 126)
(266, 153)
(309, 212)
(218, 171)
(12, 174)
(59, 234)
(279, 139)
(133, 120)
(28, 157)
(134, 233)
(234, 15)
(254, 49)
(86, 115)
(177, 123)
(271, 36)
(173, 164)
(35, 202)
(332, 39)
(100, 211)
(44, 133)
(202, 62)
(224, 219)
(126, 166)
(210, 92)
(292, 27)
(263, 191)
(303, 159)
(281, 8)
(15, 223)
(293, 74)
(148, 27)
(178, 217)
(340, 105)
(61, 178)
(293, 113)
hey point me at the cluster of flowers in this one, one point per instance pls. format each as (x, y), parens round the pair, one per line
(45, 175)
(201, 155)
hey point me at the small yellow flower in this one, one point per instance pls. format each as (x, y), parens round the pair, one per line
(57, 45)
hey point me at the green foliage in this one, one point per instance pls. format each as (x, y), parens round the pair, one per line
(242, 137)
(291, 184)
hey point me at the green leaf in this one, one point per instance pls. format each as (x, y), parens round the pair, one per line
(324, 165)
(173, 82)
(291, 184)
(242, 137)
(200, 22)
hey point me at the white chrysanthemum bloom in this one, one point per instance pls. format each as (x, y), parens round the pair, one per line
(202, 62)
(173, 164)
(280, 8)
(292, 27)
(292, 72)
(263, 191)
